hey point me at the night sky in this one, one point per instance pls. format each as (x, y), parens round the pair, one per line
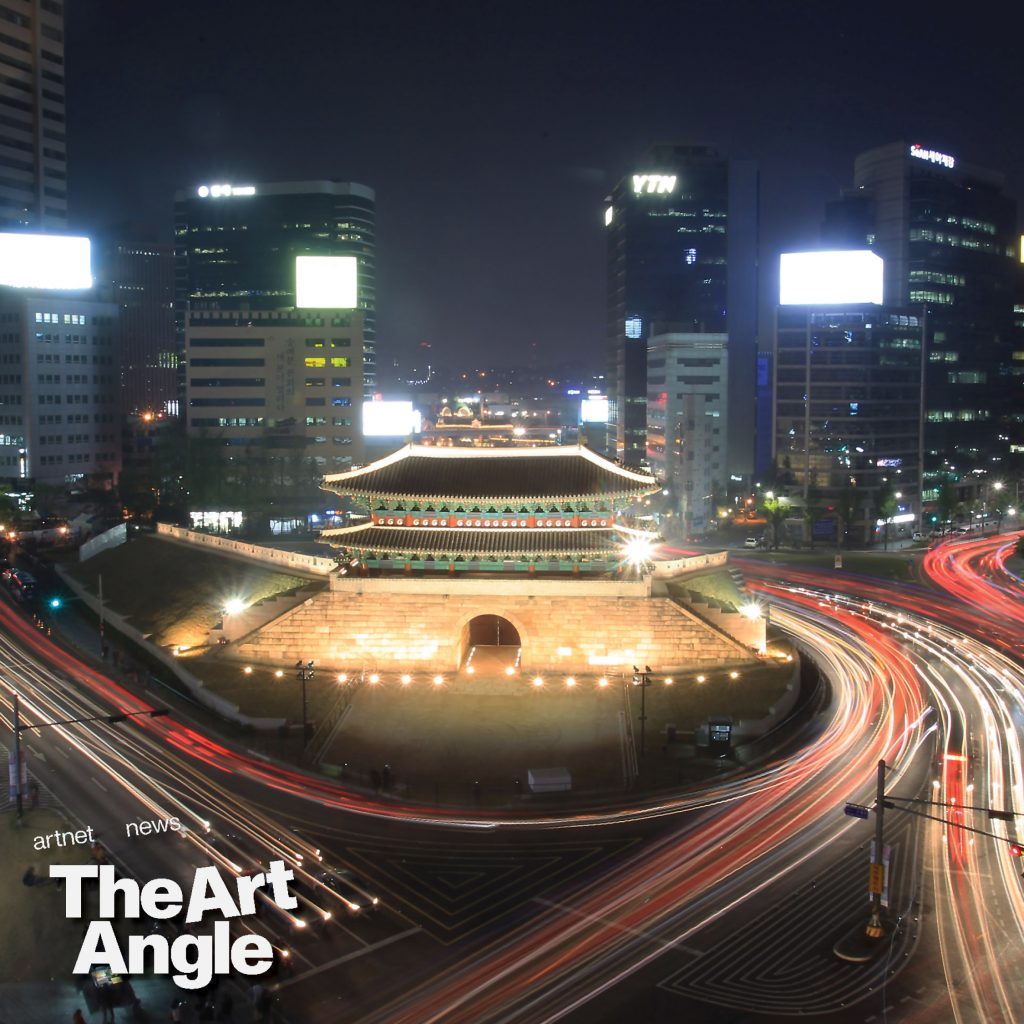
(493, 131)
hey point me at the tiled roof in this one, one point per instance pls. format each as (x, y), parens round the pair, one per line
(476, 543)
(476, 473)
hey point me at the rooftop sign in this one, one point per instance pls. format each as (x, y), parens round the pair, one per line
(326, 282)
(932, 156)
(221, 191)
(654, 184)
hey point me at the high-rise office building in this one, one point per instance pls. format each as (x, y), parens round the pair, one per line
(59, 419)
(33, 143)
(682, 250)
(236, 245)
(847, 390)
(687, 412)
(948, 233)
(141, 276)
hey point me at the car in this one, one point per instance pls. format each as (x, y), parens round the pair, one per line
(751, 542)
(917, 535)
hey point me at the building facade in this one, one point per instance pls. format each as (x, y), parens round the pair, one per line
(283, 385)
(59, 390)
(948, 233)
(237, 246)
(687, 422)
(682, 249)
(33, 140)
(847, 427)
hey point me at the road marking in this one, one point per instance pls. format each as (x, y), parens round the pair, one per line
(596, 919)
(98, 783)
(348, 956)
(38, 754)
(64, 752)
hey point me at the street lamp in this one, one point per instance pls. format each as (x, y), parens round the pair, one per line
(304, 671)
(643, 680)
(19, 728)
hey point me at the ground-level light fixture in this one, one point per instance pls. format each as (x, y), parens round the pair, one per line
(278, 674)
(470, 670)
(668, 680)
(701, 679)
(406, 679)
(438, 680)
(510, 670)
(734, 675)
(537, 681)
(247, 670)
(234, 606)
(374, 678)
(602, 681)
(342, 678)
(751, 610)
(570, 681)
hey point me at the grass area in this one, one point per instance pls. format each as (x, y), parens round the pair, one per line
(888, 565)
(176, 592)
(38, 941)
(715, 587)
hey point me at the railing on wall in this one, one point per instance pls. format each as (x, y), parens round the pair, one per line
(313, 564)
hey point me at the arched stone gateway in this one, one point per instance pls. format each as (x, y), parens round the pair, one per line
(488, 642)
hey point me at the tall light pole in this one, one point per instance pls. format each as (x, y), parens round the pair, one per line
(643, 680)
(304, 671)
(875, 928)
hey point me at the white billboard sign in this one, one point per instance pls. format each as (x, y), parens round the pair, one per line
(843, 277)
(594, 410)
(61, 262)
(325, 282)
(390, 419)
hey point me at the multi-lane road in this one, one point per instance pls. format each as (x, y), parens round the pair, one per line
(722, 903)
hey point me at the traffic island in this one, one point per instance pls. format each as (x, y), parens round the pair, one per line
(865, 941)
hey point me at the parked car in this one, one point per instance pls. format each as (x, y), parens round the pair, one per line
(751, 542)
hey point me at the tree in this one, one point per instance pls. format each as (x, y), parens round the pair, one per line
(776, 511)
(947, 502)
(846, 510)
(887, 507)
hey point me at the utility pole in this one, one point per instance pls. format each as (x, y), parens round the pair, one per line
(304, 671)
(875, 928)
(103, 643)
(18, 797)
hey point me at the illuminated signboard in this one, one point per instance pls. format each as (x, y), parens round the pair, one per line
(654, 184)
(223, 191)
(594, 410)
(830, 278)
(60, 262)
(932, 156)
(325, 282)
(609, 213)
(390, 419)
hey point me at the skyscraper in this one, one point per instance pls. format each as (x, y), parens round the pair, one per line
(947, 231)
(33, 145)
(141, 275)
(236, 245)
(682, 250)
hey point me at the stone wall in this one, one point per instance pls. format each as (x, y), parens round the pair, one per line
(392, 629)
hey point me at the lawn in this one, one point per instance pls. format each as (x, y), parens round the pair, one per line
(174, 591)
(888, 565)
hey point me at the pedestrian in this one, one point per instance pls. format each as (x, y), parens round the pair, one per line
(375, 779)
(176, 1012)
(385, 777)
(33, 793)
(77, 1017)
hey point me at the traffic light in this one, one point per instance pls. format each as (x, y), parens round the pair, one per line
(55, 602)
(1016, 850)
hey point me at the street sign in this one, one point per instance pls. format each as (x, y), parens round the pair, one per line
(856, 810)
(876, 879)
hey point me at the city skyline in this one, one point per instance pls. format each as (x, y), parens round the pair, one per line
(493, 141)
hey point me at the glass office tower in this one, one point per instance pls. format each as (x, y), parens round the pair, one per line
(682, 251)
(235, 245)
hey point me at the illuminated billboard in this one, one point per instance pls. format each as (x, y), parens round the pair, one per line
(61, 262)
(390, 419)
(594, 410)
(830, 278)
(325, 282)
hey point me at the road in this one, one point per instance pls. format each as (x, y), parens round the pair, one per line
(713, 899)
